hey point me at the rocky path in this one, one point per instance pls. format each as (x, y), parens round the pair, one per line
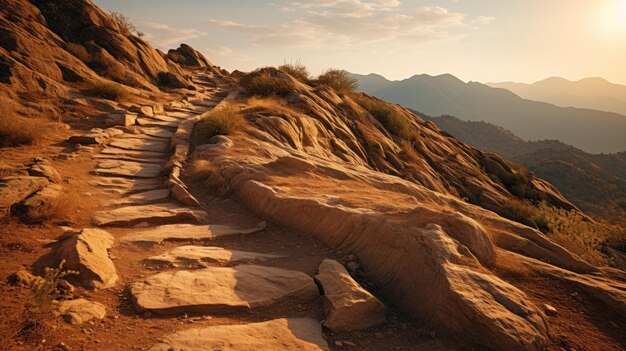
(150, 205)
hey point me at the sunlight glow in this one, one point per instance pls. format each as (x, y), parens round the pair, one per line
(612, 17)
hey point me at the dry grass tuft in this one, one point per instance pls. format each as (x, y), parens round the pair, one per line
(394, 121)
(17, 130)
(205, 171)
(270, 103)
(222, 121)
(107, 90)
(264, 84)
(62, 208)
(296, 70)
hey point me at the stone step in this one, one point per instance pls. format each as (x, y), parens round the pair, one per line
(151, 122)
(142, 198)
(221, 290)
(133, 153)
(130, 158)
(192, 256)
(129, 169)
(152, 131)
(130, 215)
(187, 232)
(127, 185)
(141, 144)
(293, 334)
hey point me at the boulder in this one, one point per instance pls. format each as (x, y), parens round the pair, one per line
(44, 169)
(87, 253)
(185, 55)
(142, 110)
(292, 334)
(349, 307)
(80, 311)
(44, 197)
(15, 189)
(221, 290)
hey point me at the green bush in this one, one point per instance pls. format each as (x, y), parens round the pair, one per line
(107, 90)
(387, 115)
(223, 121)
(338, 79)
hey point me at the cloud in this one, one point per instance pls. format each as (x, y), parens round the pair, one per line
(484, 20)
(352, 24)
(164, 36)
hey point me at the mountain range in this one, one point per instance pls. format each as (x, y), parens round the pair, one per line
(590, 130)
(593, 93)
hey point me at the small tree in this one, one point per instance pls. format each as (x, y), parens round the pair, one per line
(339, 79)
(126, 26)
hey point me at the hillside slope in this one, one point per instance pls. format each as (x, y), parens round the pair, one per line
(590, 130)
(593, 93)
(333, 166)
(595, 183)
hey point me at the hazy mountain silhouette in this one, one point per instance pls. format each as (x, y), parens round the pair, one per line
(595, 183)
(591, 130)
(594, 93)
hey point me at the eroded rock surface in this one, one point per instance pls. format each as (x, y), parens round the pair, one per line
(15, 189)
(293, 334)
(187, 232)
(349, 306)
(80, 311)
(198, 256)
(221, 290)
(128, 215)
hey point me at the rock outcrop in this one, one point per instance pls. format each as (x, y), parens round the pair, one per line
(80, 311)
(187, 56)
(349, 307)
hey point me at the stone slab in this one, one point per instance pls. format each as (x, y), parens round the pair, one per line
(142, 198)
(129, 215)
(193, 256)
(221, 290)
(187, 232)
(141, 144)
(129, 169)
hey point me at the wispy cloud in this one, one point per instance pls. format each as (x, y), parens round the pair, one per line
(164, 36)
(353, 24)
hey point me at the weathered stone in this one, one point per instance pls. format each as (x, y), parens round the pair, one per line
(79, 311)
(23, 277)
(141, 144)
(15, 189)
(146, 213)
(180, 193)
(142, 198)
(43, 169)
(142, 110)
(96, 136)
(127, 184)
(187, 232)
(121, 119)
(293, 334)
(45, 196)
(349, 307)
(133, 153)
(129, 169)
(198, 256)
(87, 253)
(220, 290)
(157, 108)
(152, 131)
(145, 121)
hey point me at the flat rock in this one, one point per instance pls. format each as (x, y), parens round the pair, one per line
(43, 169)
(145, 121)
(301, 334)
(187, 232)
(348, 306)
(128, 185)
(86, 252)
(222, 289)
(133, 153)
(129, 158)
(165, 118)
(153, 131)
(79, 311)
(202, 256)
(143, 110)
(15, 189)
(142, 198)
(121, 119)
(129, 169)
(141, 144)
(146, 213)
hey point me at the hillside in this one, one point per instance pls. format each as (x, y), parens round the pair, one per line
(590, 130)
(198, 209)
(591, 93)
(595, 183)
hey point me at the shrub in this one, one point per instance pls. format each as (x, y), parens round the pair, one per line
(126, 26)
(17, 130)
(205, 171)
(107, 90)
(340, 80)
(61, 208)
(79, 51)
(296, 70)
(395, 122)
(520, 185)
(223, 121)
(264, 84)
(526, 213)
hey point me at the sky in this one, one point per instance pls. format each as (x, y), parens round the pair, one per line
(475, 40)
